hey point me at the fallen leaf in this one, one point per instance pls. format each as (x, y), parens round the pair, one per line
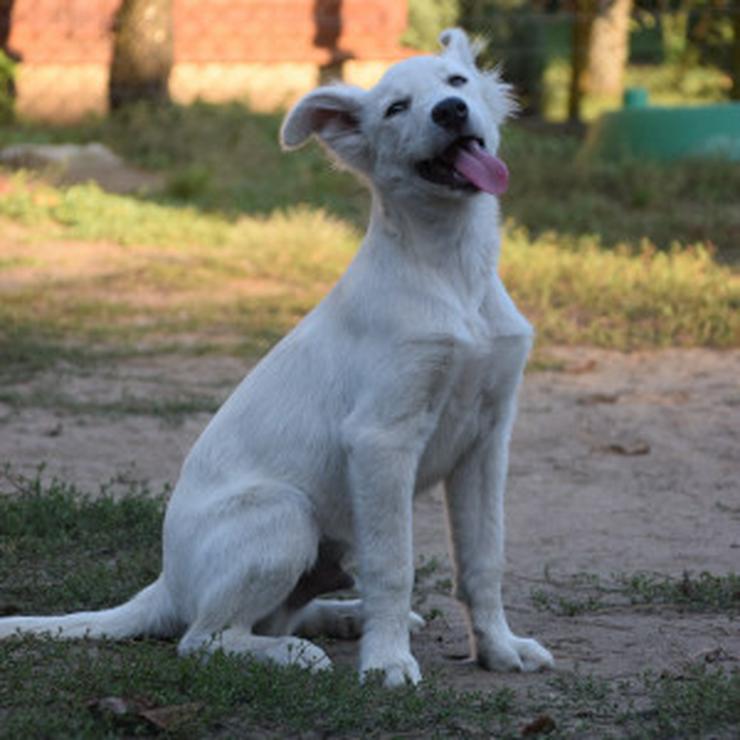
(174, 716)
(595, 398)
(542, 725)
(634, 449)
(126, 711)
(583, 367)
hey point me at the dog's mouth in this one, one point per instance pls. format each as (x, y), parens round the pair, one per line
(466, 165)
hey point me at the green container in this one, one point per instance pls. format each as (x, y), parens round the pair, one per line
(666, 133)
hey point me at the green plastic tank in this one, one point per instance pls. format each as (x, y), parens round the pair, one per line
(640, 130)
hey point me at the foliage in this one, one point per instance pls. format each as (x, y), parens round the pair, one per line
(613, 254)
(515, 37)
(426, 19)
(7, 77)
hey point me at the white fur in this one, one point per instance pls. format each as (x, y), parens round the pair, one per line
(404, 376)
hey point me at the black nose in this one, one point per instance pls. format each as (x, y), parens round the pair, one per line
(450, 113)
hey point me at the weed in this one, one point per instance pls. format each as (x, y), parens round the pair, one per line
(172, 410)
(705, 592)
(691, 703)
(62, 550)
(588, 593)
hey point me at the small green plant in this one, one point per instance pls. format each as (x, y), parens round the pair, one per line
(7, 81)
(705, 592)
(588, 593)
(693, 703)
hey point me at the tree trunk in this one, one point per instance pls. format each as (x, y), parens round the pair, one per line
(142, 52)
(735, 62)
(609, 47)
(584, 12)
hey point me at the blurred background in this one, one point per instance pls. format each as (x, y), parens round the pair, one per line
(570, 59)
(151, 125)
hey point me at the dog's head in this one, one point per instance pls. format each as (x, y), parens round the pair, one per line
(430, 127)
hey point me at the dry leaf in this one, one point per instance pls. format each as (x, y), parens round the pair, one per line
(634, 449)
(172, 717)
(541, 725)
(595, 398)
(127, 711)
(583, 367)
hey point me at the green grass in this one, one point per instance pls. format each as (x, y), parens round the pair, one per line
(62, 550)
(244, 240)
(172, 410)
(588, 593)
(667, 84)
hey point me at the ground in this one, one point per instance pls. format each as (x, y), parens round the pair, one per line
(623, 466)
(623, 508)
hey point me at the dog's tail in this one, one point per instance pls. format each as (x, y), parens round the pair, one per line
(149, 613)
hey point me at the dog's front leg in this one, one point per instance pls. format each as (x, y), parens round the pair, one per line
(475, 502)
(382, 479)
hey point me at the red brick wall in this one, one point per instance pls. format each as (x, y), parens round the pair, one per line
(62, 31)
(79, 31)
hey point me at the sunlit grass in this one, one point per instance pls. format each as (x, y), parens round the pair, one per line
(244, 240)
(115, 269)
(666, 85)
(580, 293)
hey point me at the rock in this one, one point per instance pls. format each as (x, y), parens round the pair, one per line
(68, 164)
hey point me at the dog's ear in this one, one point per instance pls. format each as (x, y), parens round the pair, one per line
(332, 114)
(455, 42)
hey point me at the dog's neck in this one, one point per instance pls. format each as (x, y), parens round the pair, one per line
(459, 240)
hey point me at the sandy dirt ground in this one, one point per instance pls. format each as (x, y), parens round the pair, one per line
(620, 463)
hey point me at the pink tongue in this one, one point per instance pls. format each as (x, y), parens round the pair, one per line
(484, 170)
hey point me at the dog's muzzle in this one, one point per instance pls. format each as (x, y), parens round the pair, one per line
(466, 165)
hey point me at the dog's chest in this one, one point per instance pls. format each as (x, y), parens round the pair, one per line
(483, 383)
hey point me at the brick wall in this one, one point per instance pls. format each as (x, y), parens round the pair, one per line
(266, 50)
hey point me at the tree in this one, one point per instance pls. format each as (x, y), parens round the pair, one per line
(583, 14)
(735, 62)
(142, 52)
(513, 32)
(599, 49)
(7, 63)
(609, 47)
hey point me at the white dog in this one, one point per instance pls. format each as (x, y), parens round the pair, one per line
(404, 376)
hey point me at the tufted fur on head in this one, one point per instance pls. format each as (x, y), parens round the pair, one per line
(500, 95)
(354, 127)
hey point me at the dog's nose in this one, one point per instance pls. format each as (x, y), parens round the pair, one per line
(450, 113)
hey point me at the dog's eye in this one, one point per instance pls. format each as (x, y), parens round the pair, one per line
(399, 106)
(456, 80)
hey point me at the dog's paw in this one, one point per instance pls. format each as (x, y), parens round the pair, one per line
(511, 653)
(396, 668)
(297, 652)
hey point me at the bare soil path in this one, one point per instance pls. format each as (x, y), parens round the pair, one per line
(620, 464)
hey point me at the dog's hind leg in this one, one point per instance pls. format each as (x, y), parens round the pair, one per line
(249, 552)
(339, 618)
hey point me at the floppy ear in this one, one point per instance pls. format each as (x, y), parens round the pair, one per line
(333, 115)
(455, 42)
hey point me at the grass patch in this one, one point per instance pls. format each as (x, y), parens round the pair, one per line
(587, 593)
(225, 159)
(173, 410)
(245, 240)
(62, 550)
(688, 703)
(581, 293)
(157, 274)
